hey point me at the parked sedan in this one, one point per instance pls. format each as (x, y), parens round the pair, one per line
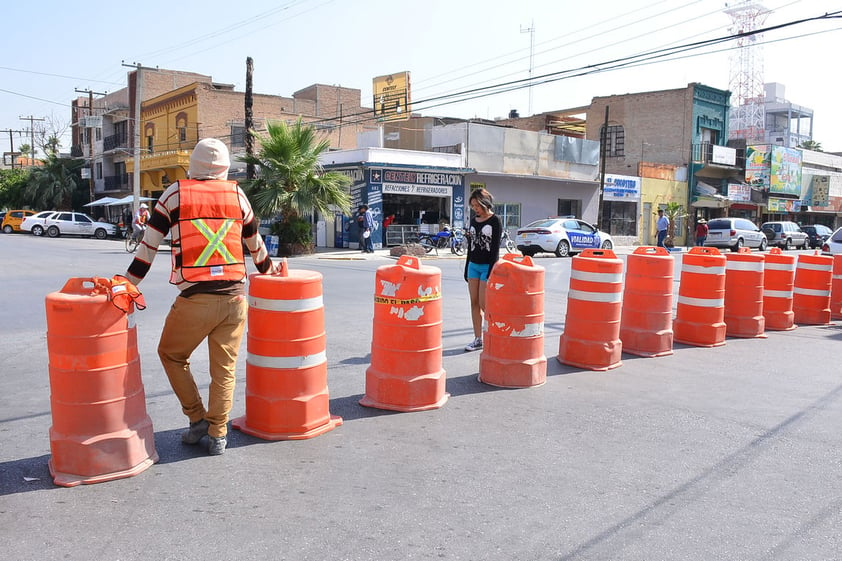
(76, 224)
(833, 244)
(36, 223)
(562, 236)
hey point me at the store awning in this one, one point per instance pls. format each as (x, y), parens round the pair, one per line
(103, 201)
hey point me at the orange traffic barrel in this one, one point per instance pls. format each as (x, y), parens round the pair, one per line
(700, 311)
(646, 319)
(406, 371)
(591, 337)
(286, 366)
(513, 343)
(744, 294)
(100, 429)
(778, 281)
(811, 292)
(836, 289)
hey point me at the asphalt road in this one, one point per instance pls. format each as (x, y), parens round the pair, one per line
(730, 453)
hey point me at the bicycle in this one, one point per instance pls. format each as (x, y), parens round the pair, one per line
(133, 239)
(507, 243)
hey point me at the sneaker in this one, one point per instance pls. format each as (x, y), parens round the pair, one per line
(216, 445)
(475, 345)
(195, 433)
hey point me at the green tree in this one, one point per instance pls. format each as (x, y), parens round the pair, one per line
(12, 185)
(811, 145)
(673, 211)
(291, 181)
(55, 184)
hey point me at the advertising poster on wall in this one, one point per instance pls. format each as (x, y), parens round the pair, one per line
(784, 205)
(816, 190)
(757, 166)
(785, 171)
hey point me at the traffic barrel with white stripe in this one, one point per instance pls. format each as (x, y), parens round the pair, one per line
(287, 396)
(406, 371)
(646, 321)
(591, 337)
(778, 280)
(744, 294)
(513, 341)
(811, 293)
(100, 429)
(700, 312)
(836, 289)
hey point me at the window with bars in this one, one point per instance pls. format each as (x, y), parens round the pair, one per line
(615, 140)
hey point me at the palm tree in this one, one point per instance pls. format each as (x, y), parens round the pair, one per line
(51, 185)
(672, 211)
(811, 145)
(291, 181)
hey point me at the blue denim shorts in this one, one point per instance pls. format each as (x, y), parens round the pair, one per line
(479, 271)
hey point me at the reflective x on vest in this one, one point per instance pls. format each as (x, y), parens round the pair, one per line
(215, 241)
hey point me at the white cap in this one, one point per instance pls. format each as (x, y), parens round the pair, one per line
(143, 205)
(209, 160)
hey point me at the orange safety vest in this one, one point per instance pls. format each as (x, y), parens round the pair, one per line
(210, 225)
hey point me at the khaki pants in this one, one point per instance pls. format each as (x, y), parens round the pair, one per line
(220, 319)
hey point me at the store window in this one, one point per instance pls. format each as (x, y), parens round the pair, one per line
(619, 218)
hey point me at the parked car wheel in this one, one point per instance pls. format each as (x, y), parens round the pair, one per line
(787, 244)
(100, 234)
(53, 231)
(607, 245)
(738, 245)
(37, 231)
(562, 249)
(763, 244)
(8, 229)
(529, 252)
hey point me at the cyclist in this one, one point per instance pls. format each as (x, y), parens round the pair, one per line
(141, 217)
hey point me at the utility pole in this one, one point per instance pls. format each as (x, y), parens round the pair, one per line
(88, 129)
(12, 144)
(603, 150)
(138, 96)
(248, 125)
(531, 31)
(31, 120)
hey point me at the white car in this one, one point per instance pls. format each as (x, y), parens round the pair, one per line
(562, 236)
(36, 224)
(70, 223)
(833, 244)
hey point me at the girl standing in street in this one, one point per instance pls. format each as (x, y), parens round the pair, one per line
(484, 235)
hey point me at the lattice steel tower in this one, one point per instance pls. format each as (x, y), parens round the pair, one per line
(747, 116)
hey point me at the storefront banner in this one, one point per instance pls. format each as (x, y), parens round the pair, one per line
(784, 205)
(785, 171)
(724, 155)
(412, 189)
(739, 192)
(621, 188)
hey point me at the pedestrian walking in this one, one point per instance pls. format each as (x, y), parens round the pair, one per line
(484, 232)
(662, 225)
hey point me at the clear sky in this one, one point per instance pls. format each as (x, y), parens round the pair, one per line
(448, 46)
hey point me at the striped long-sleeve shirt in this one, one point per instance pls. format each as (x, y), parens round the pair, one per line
(165, 219)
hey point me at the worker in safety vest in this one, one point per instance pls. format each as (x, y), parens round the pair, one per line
(210, 219)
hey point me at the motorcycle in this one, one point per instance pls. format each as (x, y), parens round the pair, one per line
(442, 240)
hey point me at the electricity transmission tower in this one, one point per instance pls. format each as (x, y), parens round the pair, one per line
(748, 115)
